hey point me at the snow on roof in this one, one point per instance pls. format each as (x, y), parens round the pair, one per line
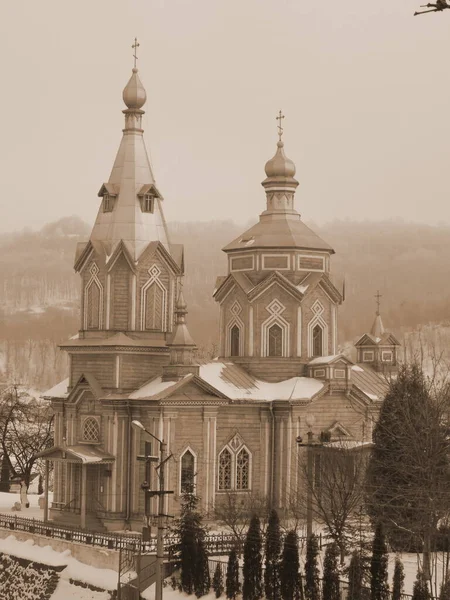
(357, 368)
(237, 384)
(323, 360)
(153, 387)
(348, 444)
(57, 391)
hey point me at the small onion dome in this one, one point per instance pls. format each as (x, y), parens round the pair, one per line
(134, 94)
(280, 165)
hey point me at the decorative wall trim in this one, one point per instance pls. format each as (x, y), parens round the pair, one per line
(310, 256)
(94, 280)
(237, 257)
(250, 331)
(299, 331)
(275, 309)
(133, 300)
(265, 267)
(154, 272)
(235, 310)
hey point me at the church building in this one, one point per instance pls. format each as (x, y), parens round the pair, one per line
(231, 424)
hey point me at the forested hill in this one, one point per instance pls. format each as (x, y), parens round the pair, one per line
(409, 263)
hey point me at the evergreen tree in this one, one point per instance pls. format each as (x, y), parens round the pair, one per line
(413, 466)
(331, 573)
(289, 572)
(398, 580)
(252, 588)
(217, 582)
(273, 554)
(379, 587)
(355, 577)
(445, 589)
(232, 578)
(190, 551)
(312, 581)
(202, 580)
(420, 589)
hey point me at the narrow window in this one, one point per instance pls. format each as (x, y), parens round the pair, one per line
(93, 307)
(108, 203)
(147, 203)
(275, 341)
(225, 470)
(235, 338)
(187, 472)
(317, 341)
(91, 430)
(243, 470)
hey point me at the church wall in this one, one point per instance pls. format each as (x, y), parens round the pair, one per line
(86, 277)
(261, 314)
(330, 408)
(146, 262)
(101, 366)
(308, 315)
(120, 295)
(136, 369)
(241, 319)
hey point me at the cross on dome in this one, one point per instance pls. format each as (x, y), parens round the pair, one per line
(280, 129)
(135, 46)
(378, 296)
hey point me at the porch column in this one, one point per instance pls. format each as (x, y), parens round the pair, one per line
(83, 496)
(47, 471)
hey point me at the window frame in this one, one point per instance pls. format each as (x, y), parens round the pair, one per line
(180, 481)
(234, 455)
(92, 418)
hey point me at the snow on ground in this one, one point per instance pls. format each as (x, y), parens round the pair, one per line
(102, 578)
(7, 501)
(170, 594)
(67, 591)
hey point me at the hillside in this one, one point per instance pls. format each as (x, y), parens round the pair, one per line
(39, 292)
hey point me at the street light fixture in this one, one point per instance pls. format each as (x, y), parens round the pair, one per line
(160, 493)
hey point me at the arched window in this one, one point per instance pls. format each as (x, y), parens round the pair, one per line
(317, 341)
(154, 308)
(91, 430)
(275, 340)
(93, 307)
(225, 463)
(235, 335)
(243, 470)
(187, 472)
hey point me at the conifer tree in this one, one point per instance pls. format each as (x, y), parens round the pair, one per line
(331, 573)
(232, 579)
(420, 589)
(252, 587)
(398, 580)
(445, 589)
(202, 580)
(190, 551)
(355, 577)
(289, 572)
(273, 555)
(312, 581)
(217, 582)
(379, 587)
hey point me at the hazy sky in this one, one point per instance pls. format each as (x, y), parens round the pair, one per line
(365, 88)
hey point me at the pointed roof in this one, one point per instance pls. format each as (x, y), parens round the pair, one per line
(130, 175)
(181, 336)
(377, 327)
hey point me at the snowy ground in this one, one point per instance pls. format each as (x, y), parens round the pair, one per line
(7, 501)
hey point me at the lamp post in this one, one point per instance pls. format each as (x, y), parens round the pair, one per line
(309, 444)
(160, 493)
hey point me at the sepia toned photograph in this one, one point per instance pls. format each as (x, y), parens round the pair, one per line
(225, 300)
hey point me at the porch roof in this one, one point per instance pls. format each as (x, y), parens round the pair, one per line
(81, 453)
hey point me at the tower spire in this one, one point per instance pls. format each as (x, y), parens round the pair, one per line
(131, 209)
(377, 327)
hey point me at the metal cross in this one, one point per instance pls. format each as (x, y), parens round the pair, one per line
(280, 129)
(378, 296)
(135, 46)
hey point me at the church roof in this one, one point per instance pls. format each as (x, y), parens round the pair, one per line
(119, 339)
(234, 383)
(282, 233)
(371, 383)
(131, 174)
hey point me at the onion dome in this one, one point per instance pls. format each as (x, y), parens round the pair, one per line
(280, 165)
(134, 94)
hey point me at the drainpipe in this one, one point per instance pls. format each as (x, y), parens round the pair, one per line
(272, 461)
(129, 465)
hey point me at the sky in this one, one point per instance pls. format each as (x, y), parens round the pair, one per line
(364, 87)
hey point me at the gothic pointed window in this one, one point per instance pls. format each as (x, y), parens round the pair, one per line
(235, 335)
(187, 472)
(93, 307)
(243, 470)
(275, 340)
(154, 307)
(225, 464)
(317, 341)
